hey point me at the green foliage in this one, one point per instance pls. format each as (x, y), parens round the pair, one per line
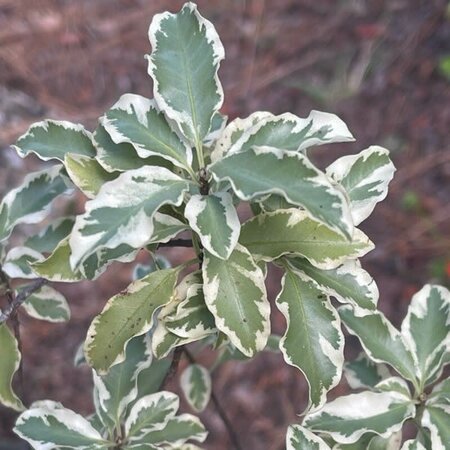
(155, 168)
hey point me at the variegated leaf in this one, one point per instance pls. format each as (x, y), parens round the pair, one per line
(195, 383)
(440, 393)
(10, 361)
(371, 441)
(348, 418)
(118, 388)
(362, 372)
(47, 304)
(394, 385)
(365, 177)
(18, 262)
(47, 240)
(30, 202)
(348, 283)
(313, 341)
(185, 58)
(176, 432)
(412, 444)
(150, 379)
(236, 295)
(218, 124)
(150, 413)
(380, 339)
(292, 232)
(426, 329)
(126, 315)
(52, 139)
(121, 157)
(266, 170)
(436, 418)
(234, 130)
(300, 438)
(123, 211)
(290, 132)
(192, 319)
(215, 220)
(87, 174)
(47, 425)
(137, 120)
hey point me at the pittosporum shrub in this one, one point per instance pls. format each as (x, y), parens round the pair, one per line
(157, 168)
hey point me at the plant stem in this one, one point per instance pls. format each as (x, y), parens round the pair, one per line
(177, 243)
(220, 411)
(173, 367)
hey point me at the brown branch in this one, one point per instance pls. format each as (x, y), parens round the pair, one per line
(177, 243)
(173, 367)
(220, 411)
(10, 311)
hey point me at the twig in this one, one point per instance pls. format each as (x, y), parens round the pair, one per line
(222, 414)
(177, 243)
(14, 302)
(173, 367)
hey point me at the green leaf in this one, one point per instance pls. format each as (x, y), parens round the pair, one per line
(362, 372)
(150, 380)
(436, 418)
(121, 157)
(218, 124)
(348, 283)
(126, 315)
(426, 329)
(440, 393)
(18, 261)
(119, 387)
(236, 295)
(292, 232)
(394, 385)
(137, 120)
(299, 438)
(192, 319)
(290, 132)
(150, 413)
(365, 177)
(313, 341)
(269, 170)
(177, 431)
(380, 340)
(195, 383)
(412, 444)
(185, 58)
(234, 130)
(214, 218)
(52, 139)
(47, 240)
(10, 361)
(347, 418)
(47, 304)
(30, 202)
(48, 425)
(87, 174)
(123, 211)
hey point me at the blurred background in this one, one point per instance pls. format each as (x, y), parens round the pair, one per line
(382, 66)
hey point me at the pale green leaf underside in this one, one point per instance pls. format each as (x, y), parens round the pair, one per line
(52, 139)
(126, 315)
(362, 372)
(292, 232)
(381, 341)
(29, 203)
(87, 174)
(236, 295)
(123, 211)
(137, 120)
(10, 360)
(347, 418)
(195, 383)
(365, 177)
(266, 170)
(186, 53)
(313, 341)
(214, 218)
